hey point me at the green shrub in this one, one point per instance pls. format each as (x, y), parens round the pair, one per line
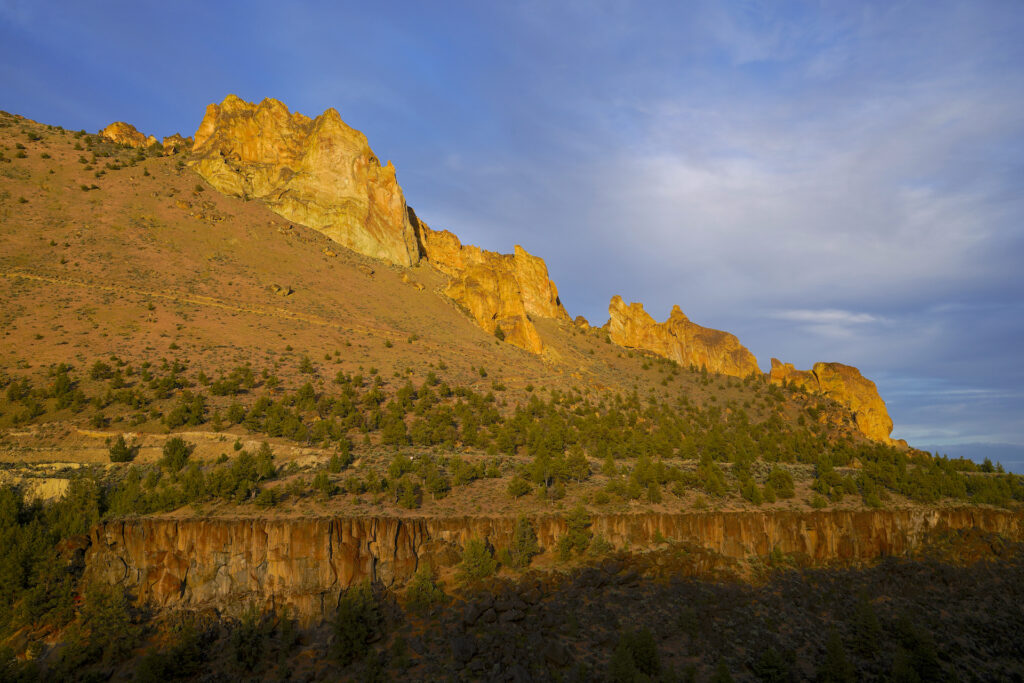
(518, 487)
(357, 623)
(339, 461)
(268, 497)
(190, 410)
(249, 639)
(264, 465)
(524, 544)
(105, 631)
(323, 485)
(635, 657)
(176, 452)
(577, 535)
(120, 451)
(599, 546)
(750, 492)
(437, 484)
(408, 493)
(836, 667)
(477, 562)
(423, 591)
(182, 659)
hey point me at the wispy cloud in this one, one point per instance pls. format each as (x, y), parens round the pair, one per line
(828, 322)
(827, 315)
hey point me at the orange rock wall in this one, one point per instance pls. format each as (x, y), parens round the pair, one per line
(317, 172)
(126, 134)
(496, 289)
(176, 143)
(679, 339)
(845, 385)
(304, 563)
(322, 174)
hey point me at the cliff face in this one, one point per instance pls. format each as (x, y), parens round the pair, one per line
(317, 172)
(845, 385)
(497, 289)
(679, 339)
(305, 562)
(322, 174)
(126, 134)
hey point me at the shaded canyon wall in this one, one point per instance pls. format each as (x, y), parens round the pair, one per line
(304, 563)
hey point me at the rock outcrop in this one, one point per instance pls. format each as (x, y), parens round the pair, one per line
(126, 134)
(173, 144)
(304, 563)
(317, 172)
(498, 290)
(845, 385)
(322, 174)
(679, 339)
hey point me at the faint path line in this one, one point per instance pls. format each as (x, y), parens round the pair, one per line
(201, 300)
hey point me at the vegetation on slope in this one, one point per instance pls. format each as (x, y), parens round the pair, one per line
(415, 441)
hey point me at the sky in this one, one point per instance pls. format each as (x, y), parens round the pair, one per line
(829, 181)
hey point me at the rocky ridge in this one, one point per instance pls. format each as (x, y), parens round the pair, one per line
(305, 563)
(679, 339)
(173, 144)
(847, 386)
(126, 134)
(500, 291)
(323, 174)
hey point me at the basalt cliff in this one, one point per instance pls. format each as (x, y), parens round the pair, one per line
(679, 339)
(304, 563)
(845, 385)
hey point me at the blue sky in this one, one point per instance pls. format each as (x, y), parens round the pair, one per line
(829, 181)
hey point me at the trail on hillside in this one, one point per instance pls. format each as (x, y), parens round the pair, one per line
(201, 300)
(221, 304)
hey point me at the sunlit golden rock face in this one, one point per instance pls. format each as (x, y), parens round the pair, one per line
(679, 339)
(318, 172)
(321, 173)
(126, 134)
(845, 385)
(173, 144)
(498, 290)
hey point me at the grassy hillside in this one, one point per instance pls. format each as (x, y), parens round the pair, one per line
(139, 302)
